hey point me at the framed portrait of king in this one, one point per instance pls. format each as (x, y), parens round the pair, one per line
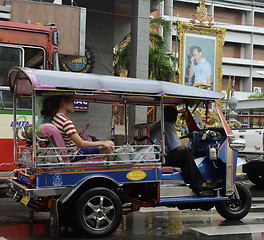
(200, 55)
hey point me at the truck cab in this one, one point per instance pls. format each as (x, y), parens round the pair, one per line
(24, 45)
(252, 154)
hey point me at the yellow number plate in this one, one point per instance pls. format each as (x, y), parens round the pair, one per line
(25, 200)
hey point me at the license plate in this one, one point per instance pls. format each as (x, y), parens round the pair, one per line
(25, 200)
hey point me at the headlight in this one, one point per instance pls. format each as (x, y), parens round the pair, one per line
(237, 145)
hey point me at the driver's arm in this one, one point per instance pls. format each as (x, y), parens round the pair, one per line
(182, 147)
(172, 140)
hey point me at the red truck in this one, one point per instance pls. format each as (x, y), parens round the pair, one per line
(25, 45)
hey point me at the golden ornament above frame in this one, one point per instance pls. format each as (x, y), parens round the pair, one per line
(204, 41)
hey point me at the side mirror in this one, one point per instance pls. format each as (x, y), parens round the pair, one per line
(237, 145)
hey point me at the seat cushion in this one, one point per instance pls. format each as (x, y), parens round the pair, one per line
(167, 169)
(50, 130)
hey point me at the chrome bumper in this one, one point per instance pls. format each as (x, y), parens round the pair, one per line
(28, 191)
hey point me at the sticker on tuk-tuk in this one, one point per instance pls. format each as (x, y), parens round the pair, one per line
(57, 180)
(136, 175)
(25, 200)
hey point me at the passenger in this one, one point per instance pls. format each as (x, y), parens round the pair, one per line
(71, 138)
(177, 155)
(49, 109)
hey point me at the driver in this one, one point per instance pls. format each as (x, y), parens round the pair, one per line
(177, 155)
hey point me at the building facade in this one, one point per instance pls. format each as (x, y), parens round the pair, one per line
(243, 51)
(98, 26)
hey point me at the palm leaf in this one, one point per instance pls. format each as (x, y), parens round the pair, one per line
(157, 22)
(160, 61)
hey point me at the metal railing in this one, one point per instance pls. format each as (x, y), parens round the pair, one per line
(123, 155)
(251, 121)
(255, 3)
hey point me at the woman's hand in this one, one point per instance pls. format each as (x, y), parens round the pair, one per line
(108, 147)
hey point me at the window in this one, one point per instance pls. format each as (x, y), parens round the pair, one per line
(21, 56)
(9, 57)
(34, 57)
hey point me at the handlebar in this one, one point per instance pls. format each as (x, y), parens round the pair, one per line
(186, 136)
(23, 134)
(203, 134)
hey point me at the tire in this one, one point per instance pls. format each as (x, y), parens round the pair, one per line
(256, 178)
(234, 209)
(98, 212)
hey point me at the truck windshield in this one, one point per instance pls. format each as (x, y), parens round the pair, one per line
(9, 57)
(34, 58)
(22, 56)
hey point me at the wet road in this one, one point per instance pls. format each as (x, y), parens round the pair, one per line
(17, 222)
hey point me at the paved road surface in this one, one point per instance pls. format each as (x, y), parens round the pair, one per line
(149, 223)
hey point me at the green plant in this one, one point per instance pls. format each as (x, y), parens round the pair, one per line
(257, 95)
(161, 62)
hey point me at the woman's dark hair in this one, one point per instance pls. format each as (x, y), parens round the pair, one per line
(51, 105)
(170, 114)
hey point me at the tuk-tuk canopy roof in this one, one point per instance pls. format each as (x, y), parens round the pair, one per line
(23, 80)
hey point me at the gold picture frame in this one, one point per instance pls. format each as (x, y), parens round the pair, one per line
(210, 40)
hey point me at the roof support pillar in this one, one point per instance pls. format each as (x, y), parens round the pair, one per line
(139, 54)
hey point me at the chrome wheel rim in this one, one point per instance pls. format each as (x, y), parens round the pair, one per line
(99, 212)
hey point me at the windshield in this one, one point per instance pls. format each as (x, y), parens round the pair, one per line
(205, 115)
(9, 57)
(23, 56)
(197, 116)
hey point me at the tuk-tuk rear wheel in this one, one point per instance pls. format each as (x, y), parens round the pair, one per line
(98, 212)
(233, 208)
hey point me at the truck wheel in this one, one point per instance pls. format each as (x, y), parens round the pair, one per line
(98, 212)
(256, 178)
(233, 208)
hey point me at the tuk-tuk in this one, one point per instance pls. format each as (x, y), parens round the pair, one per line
(92, 194)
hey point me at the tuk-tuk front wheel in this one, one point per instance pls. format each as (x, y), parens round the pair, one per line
(98, 212)
(234, 208)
